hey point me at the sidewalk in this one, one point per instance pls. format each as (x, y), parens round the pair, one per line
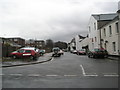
(113, 58)
(46, 57)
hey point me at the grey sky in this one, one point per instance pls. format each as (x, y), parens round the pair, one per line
(54, 19)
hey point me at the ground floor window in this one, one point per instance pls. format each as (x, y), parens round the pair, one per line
(114, 46)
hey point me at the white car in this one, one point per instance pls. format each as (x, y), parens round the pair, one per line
(61, 52)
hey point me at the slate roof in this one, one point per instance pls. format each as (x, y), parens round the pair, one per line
(105, 16)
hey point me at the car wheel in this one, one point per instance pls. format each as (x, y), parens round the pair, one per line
(31, 57)
(89, 56)
(14, 56)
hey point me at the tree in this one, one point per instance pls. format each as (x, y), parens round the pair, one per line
(49, 44)
(61, 45)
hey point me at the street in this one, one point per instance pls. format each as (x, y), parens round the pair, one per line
(67, 71)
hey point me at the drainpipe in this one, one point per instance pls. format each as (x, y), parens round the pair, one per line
(100, 34)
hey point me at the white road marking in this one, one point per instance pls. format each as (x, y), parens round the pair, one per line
(91, 75)
(34, 75)
(51, 75)
(84, 74)
(111, 75)
(16, 74)
(83, 71)
(70, 75)
(2, 74)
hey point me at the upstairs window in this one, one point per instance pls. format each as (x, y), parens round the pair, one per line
(89, 29)
(95, 26)
(104, 31)
(117, 27)
(110, 30)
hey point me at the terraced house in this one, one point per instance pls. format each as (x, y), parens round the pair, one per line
(104, 32)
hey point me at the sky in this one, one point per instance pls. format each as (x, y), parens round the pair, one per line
(59, 20)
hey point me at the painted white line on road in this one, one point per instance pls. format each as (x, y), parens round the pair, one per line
(70, 75)
(111, 75)
(2, 74)
(84, 74)
(51, 75)
(16, 74)
(34, 75)
(83, 71)
(52, 59)
(91, 75)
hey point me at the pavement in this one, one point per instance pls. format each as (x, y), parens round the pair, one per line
(113, 58)
(10, 63)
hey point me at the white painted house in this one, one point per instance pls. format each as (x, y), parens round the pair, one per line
(110, 36)
(78, 41)
(96, 22)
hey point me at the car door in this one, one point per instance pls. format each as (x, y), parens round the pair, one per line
(27, 53)
(20, 53)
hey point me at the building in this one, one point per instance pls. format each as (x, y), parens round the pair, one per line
(110, 36)
(0, 47)
(78, 39)
(7, 46)
(119, 26)
(18, 40)
(72, 45)
(36, 43)
(97, 21)
(40, 44)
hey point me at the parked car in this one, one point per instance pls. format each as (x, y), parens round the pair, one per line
(81, 52)
(31, 53)
(61, 52)
(98, 52)
(41, 52)
(56, 52)
(74, 51)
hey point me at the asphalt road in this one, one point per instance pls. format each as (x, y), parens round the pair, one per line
(67, 71)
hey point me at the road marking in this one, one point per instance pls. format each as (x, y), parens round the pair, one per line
(84, 74)
(16, 74)
(83, 71)
(91, 75)
(70, 75)
(51, 75)
(34, 75)
(2, 74)
(111, 75)
(52, 59)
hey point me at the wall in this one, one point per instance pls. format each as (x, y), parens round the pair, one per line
(0, 48)
(92, 34)
(110, 38)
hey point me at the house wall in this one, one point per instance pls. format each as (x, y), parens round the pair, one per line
(108, 40)
(78, 42)
(119, 30)
(93, 33)
(0, 48)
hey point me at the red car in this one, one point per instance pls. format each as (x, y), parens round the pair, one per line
(25, 52)
(81, 52)
(98, 52)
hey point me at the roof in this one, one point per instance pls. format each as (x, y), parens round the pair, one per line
(104, 16)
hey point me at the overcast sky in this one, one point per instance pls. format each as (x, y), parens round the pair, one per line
(59, 20)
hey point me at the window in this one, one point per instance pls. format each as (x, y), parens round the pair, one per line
(95, 39)
(110, 30)
(117, 28)
(28, 51)
(89, 29)
(114, 46)
(95, 26)
(20, 51)
(104, 32)
(15, 39)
